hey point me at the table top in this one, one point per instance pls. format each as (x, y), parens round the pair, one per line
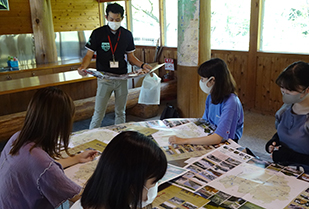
(220, 175)
(36, 82)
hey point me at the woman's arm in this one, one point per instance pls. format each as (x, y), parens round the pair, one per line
(286, 156)
(83, 157)
(206, 140)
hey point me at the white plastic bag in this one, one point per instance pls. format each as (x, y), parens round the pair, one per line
(150, 90)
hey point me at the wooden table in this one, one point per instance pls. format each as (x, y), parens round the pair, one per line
(37, 82)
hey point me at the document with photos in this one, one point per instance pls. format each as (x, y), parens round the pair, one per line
(113, 76)
(187, 130)
(101, 134)
(211, 166)
(172, 172)
(81, 172)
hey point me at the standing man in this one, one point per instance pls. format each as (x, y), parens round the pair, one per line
(111, 42)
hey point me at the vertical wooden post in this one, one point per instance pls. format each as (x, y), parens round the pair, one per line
(43, 31)
(204, 47)
(250, 92)
(193, 49)
(162, 22)
(128, 11)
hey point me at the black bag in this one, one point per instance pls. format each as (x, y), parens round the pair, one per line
(169, 112)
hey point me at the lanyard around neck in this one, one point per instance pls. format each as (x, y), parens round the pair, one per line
(110, 43)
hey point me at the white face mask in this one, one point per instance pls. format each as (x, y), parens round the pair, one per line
(151, 195)
(114, 25)
(291, 99)
(204, 87)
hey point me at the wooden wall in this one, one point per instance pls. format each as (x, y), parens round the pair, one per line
(267, 98)
(254, 72)
(75, 15)
(69, 15)
(17, 20)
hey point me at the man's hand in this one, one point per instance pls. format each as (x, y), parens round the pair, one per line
(146, 68)
(81, 71)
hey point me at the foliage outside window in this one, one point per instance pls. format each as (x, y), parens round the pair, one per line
(230, 24)
(170, 22)
(145, 23)
(285, 26)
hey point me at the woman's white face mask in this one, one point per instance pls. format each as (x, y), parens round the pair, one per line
(204, 87)
(151, 195)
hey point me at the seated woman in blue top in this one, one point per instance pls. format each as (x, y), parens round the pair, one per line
(223, 108)
(290, 145)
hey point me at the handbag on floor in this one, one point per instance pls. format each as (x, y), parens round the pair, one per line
(169, 112)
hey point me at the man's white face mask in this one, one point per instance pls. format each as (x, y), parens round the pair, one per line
(114, 25)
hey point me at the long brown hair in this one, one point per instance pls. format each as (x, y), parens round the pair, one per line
(48, 122)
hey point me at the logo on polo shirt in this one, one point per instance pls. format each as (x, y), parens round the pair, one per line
(105, 46)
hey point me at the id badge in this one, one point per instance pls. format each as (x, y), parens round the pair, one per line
(113, 64)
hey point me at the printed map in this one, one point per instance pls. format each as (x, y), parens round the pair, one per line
(263, 187)
(188, 35)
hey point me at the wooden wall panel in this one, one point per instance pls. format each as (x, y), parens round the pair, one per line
(268, 98)
(75, 15)
(168, 53)
(237, 64)
(17, 20)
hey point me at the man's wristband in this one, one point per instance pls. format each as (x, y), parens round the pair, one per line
(142, 66)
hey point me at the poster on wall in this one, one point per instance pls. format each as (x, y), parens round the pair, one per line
(4, 5)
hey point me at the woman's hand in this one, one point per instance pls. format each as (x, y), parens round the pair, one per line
(271, 147)
(177, 140)
(86, 156)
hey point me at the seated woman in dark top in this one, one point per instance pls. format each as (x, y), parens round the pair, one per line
(127, 174)
(290, 145)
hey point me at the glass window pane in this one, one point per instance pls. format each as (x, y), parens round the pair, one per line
(171, 21)
(71, 44)
(285, 28)
(122, 3)
(145, 24)
(230, 24)
(20, 46)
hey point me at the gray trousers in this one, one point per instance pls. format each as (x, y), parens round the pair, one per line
(104, 91)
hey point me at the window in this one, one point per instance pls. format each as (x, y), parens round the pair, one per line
(71, 44)
(17, 45)
(230, 24)
(145, 23)
(170, 22)
(285, 26)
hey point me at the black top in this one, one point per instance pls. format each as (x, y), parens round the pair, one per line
(98, 42)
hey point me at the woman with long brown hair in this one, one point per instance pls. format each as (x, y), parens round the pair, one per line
(31, 167)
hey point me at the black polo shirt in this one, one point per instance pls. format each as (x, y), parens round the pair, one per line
(98, 42)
